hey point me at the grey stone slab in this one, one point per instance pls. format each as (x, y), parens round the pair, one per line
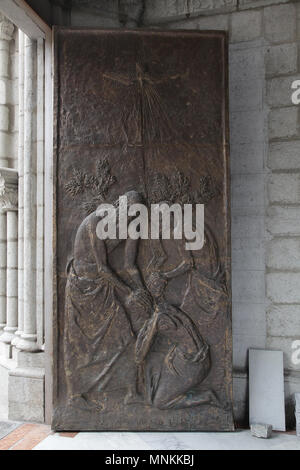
(297, 414)
(7, 427)
(266, 388)
(263, 431)
(297, 401)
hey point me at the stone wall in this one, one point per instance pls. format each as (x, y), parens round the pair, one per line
(8, 94)
(264, 60)
(22, 373)
(14, 105)
(265, 163)
(282, 26)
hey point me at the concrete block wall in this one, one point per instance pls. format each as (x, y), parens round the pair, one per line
(22, 394)
(283, 190)
(14, 98)
(8, 94)
(248, 142)
(264, 60)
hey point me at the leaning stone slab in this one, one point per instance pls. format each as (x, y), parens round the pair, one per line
(297, 400)
(297, 414)
(266, 388)
(298, 424)
(263, 431)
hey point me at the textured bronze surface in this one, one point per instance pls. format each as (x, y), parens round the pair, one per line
(142, 327)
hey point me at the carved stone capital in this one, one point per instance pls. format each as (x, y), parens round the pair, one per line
(6, 28)
(8, 189)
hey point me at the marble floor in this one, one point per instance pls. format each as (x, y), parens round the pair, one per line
(238, 440)
(32, 436)
(6, 427)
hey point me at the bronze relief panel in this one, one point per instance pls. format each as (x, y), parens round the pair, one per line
(142, 326)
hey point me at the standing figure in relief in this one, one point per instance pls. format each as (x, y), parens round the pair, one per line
(99, 334)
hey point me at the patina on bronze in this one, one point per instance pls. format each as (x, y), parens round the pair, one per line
(142, 327)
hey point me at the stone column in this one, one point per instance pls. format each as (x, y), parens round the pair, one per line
(9, 205)
(6, 35)
(40, 195)
(28, 339)
(3, 249)
(21, 194)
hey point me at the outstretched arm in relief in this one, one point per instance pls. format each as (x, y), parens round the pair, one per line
(100, 254)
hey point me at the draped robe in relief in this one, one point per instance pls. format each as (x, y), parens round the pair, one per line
(97, 336)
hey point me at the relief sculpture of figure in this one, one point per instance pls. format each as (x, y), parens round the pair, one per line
(206, 288)
(142, 325)
(173, 370)
(99, 335)
(124, 336)
(180, 360)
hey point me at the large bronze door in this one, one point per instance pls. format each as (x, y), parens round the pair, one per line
(142, 326)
